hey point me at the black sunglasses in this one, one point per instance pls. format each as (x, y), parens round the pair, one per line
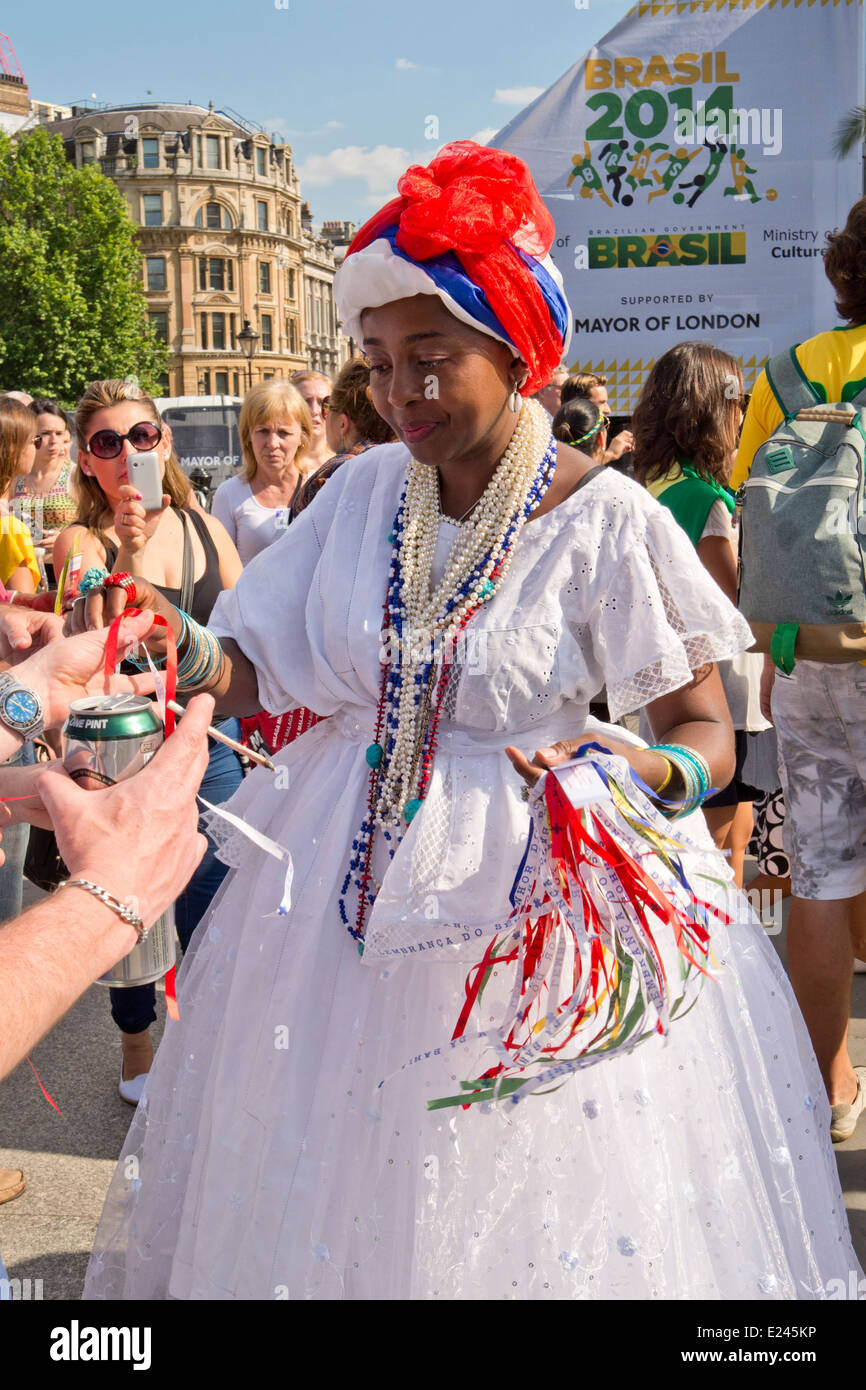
(107, 444)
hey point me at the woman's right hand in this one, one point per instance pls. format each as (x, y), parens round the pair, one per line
(132, 524)
(100, 607)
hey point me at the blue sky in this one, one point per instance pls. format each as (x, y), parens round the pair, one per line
(350, 86)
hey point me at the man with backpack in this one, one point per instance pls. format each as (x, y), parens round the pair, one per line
(803, 589)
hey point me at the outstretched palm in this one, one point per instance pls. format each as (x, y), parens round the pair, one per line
(74, 667)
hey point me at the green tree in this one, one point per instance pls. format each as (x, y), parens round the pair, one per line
(72, 307)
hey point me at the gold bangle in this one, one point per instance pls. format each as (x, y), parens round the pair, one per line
(669, 776)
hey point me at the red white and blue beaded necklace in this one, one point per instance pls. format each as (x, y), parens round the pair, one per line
(423, 624)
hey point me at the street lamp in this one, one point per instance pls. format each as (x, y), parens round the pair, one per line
(248, 339)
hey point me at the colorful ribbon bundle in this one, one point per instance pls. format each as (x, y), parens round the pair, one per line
(613, 944)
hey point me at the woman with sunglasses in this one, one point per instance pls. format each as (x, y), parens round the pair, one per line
(179, 550)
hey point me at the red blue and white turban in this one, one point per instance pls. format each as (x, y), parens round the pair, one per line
(472, 229)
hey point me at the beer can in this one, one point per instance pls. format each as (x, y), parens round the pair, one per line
(106, 739)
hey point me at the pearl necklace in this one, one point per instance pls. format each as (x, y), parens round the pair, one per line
(427, 621)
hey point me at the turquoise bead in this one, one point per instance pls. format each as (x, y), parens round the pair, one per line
(411, 809)
(391, 537)
(374, 755)
(485, 588)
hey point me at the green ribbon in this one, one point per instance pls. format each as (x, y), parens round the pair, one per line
(782, 646)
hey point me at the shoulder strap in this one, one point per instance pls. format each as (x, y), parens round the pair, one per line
(789, 384)
(187, 582)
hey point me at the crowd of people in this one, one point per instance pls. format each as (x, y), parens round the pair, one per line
(325, 605)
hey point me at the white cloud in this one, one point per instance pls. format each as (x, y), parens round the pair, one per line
(481, 137)
(380, 168)
(404, 65)
(275, 124)
(516, 96)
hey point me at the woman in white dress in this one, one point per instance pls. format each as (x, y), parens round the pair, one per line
(283, 1147)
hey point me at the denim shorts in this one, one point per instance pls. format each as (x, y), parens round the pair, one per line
(820, 717)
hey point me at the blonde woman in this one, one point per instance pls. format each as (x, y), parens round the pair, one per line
(179, 550)
(276, 434)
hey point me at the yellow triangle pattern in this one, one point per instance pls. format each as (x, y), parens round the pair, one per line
(625, 378)
(664, 8)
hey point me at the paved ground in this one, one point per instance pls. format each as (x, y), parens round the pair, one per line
(47, 1232)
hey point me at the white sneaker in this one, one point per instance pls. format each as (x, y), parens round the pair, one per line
(131, 1090)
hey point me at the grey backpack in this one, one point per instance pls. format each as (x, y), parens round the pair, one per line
(802, 573)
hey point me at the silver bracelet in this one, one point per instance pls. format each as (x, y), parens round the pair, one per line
(123, 910)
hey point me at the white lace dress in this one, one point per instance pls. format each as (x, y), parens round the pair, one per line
(267, 1161)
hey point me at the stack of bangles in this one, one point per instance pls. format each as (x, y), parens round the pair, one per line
(200, 656)
(695, 775)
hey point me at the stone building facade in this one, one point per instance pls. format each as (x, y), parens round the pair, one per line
(218, 205)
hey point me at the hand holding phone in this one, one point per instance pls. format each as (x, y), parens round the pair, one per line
(136, 519)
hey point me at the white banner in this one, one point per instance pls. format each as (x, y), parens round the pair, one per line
(688, 164)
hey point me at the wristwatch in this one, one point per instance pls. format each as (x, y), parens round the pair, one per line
(20, 707)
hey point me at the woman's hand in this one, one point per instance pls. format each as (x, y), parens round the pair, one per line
(132, 524)
(651, 767)
(100, 607)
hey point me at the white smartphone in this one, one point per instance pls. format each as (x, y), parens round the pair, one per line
(145, 475)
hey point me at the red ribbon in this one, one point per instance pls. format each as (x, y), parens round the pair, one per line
(170, 658)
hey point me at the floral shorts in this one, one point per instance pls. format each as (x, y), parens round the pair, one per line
(820, 718)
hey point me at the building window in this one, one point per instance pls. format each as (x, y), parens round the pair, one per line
(212, 151)
(262, 216)
(290, 224)
(290, 285)
(88, 151)
(218, 331)
(205, 384)
(204, 330)
(264, 277)
(267, 333)
(198, 150)
(152, 209)
(268, 376)
(260, 161)
(160, 325)
(150, 154)
(221, 383)
(213, 216)
(155, 272)
(292, 336)
(235, 384)
(215, 273)
(163, 383)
